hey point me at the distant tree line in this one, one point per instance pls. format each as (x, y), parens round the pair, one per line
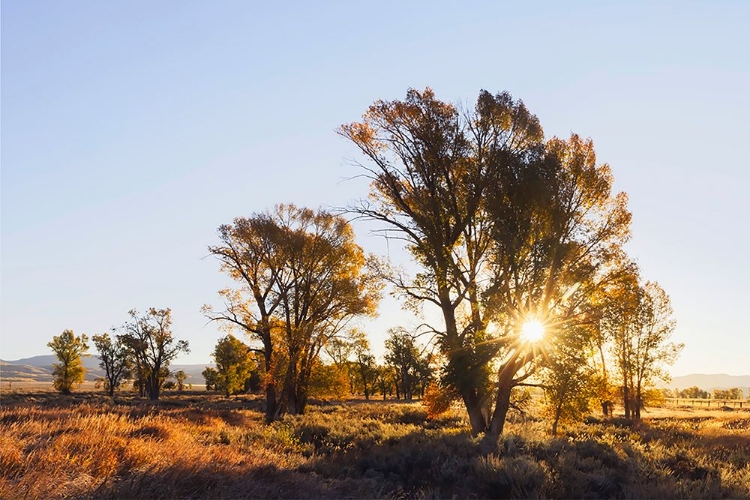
(698, 393)
(141, 349)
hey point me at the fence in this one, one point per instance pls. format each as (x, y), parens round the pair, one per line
(708, 403)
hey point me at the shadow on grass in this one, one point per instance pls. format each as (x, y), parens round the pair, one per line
(439, 464)
(182, 480)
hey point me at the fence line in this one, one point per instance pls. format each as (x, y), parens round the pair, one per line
(716, 403)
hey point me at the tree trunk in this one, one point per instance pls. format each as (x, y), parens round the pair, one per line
(626, 400)
(271, 402)
(558, 412)
(502, 404)
(153, 386)
(638, 397)
(477, 417)
(406, 386)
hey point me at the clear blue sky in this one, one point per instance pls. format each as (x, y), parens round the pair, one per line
(131, 130)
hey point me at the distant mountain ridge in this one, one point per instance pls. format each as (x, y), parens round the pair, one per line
(39, 369)
(711, 381)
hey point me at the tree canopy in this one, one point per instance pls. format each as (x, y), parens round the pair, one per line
(302, 278)
(152, 346)
(506, 227)
(115, 360)
(69, 349)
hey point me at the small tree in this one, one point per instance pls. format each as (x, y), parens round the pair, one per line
(403, 355)
(234, 363)
(180, 376)
(734, 393)
(211, 377)
(364, 363)
(693, 392)
(68, 348)
(568, 378)
(384, 380)
(115, 361)
(149, 338)
(329, 381)
(641, 325)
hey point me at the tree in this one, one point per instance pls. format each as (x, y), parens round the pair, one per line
(568, 378)
(504, 227)
(329, 381)
(302, 278)
(734, 393)
(364, 362)
(653, 350)
(403, 354)
(234, 364)
(385, 380)
(180, 377)
(68, 348)
(153, 347)
(211, 376)
(115, 361)
(693, 392)
(641, 325)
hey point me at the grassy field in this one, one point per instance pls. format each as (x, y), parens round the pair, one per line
(196, 445)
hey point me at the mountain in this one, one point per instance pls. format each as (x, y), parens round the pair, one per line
(39, 369)
(24, 373)
(710, 382)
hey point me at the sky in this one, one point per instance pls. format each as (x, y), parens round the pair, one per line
(132, 130)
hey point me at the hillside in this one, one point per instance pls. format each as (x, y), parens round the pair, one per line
(39, 369)
(710, 382)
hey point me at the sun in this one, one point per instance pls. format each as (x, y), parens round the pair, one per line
(532, 331)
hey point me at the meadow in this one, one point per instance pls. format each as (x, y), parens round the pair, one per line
(199, 445)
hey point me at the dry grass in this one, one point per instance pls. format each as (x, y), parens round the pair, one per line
(201, 446)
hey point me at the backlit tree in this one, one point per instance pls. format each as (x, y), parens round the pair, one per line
(504, 226)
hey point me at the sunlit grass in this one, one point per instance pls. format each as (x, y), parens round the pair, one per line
(208, 447)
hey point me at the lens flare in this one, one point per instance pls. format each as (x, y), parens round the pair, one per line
(532, 331)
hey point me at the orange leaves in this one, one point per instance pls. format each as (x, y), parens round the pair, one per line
(437, 400)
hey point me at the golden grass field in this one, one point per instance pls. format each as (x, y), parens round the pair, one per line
(199, 445)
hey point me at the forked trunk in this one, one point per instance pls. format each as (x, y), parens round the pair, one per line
(477, 416)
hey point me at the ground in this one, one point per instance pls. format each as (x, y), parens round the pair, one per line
(199, 445)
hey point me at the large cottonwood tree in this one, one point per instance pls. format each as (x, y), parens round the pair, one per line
(503, 225)
(302, 278)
